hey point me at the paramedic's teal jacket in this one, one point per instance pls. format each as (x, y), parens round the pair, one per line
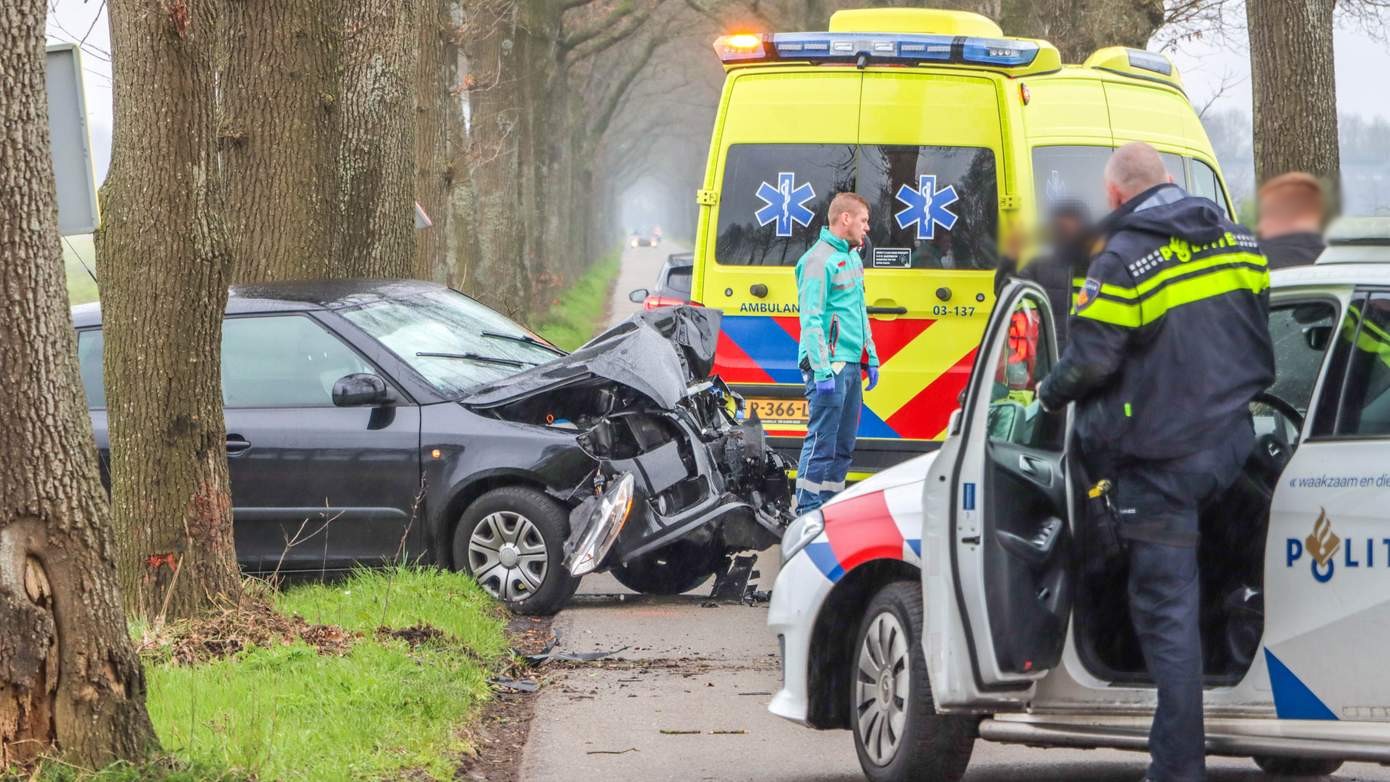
(830, 294)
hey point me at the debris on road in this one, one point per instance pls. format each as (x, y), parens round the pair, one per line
(612, 751)
(515, 685)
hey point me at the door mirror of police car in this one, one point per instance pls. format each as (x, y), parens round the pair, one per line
(638, 296)
(361, 389)
(953, 426)
(1317, 337)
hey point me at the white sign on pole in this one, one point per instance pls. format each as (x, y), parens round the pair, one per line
(71, 143)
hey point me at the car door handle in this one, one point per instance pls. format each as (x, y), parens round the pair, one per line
(886, 310)
(236, 443)
(1035, 468)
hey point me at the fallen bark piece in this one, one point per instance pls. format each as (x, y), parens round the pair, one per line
(669, 732)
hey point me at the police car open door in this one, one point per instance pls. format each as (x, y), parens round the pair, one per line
(997, 581)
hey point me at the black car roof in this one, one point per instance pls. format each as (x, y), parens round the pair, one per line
(299, 296)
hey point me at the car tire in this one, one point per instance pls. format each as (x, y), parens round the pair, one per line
(670, 570)
(1297, 767)
(907, 739)
(511, 540)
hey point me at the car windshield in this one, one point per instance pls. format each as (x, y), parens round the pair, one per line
(454, 342)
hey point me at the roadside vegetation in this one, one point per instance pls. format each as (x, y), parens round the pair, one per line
(579, 312)
(371, 677)
(79, 264)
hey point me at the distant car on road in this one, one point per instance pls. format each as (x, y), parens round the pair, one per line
(649, 239)
(371, 421)
(672, 284)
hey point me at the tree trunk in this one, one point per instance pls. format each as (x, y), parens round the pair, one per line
(162, 253)
(69, 678)
(1294, 90)
(434, 108)
(493, 154)
(279, 136)
(376, 160)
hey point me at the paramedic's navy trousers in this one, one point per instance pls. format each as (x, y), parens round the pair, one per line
(829, 445)
(1159, 504)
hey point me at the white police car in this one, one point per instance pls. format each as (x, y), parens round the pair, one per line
(948, 598)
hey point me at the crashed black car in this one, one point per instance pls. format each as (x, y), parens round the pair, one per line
(384, 421)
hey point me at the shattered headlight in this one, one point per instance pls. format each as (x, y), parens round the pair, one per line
(801, 532)
(602, 528)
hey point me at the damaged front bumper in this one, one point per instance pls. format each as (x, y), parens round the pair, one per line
(642, 405)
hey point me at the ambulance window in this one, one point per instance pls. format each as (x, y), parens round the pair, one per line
(930, 207)
(1365, 408)
(1176, 168)
(1205, 183)
(1070, 174)
(774, 200)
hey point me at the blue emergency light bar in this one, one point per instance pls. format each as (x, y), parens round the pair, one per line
(876, 47)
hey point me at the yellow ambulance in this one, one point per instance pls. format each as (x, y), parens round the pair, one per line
(957, 136)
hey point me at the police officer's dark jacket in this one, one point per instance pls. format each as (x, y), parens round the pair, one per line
(1169, 337)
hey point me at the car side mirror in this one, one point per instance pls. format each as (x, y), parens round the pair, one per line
(638, 296)
(1317, 337)
(361, 389)
(953, 425)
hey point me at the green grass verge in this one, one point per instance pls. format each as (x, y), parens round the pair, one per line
(78, 250)
(578, 313)
(385, 709)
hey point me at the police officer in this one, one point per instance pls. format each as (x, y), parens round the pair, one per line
(1169, 344)
(835, 343)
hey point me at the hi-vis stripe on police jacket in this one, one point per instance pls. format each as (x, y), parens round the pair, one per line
(1169, 340)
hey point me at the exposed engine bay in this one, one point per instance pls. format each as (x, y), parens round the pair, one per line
(674, 458)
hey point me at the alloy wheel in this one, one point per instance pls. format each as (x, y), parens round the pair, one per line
(507, 555)
(881, 688)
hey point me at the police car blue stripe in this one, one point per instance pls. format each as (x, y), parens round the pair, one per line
(823, 557)
(1292, 698)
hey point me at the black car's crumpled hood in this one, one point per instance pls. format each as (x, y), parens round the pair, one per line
(657, 353)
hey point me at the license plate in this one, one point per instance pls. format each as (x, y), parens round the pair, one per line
(780, 411)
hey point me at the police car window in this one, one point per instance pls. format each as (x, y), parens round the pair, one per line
(1301, 334)
(1070, 174)
(774, 199)
(1014, 413)
(1365, 409)
(930, 207)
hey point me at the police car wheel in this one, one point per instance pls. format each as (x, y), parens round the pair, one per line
(1297, 767)
(511, 540)
(897, 732)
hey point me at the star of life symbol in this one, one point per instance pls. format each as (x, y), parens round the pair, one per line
(785, 203)
(926, 206)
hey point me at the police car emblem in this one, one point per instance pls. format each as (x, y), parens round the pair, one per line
(785, 203)
(1089, 291)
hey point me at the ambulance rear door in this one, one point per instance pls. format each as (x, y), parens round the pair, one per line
(932, 168)
(784, 146)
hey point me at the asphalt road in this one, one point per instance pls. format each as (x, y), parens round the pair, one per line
(687, 698)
